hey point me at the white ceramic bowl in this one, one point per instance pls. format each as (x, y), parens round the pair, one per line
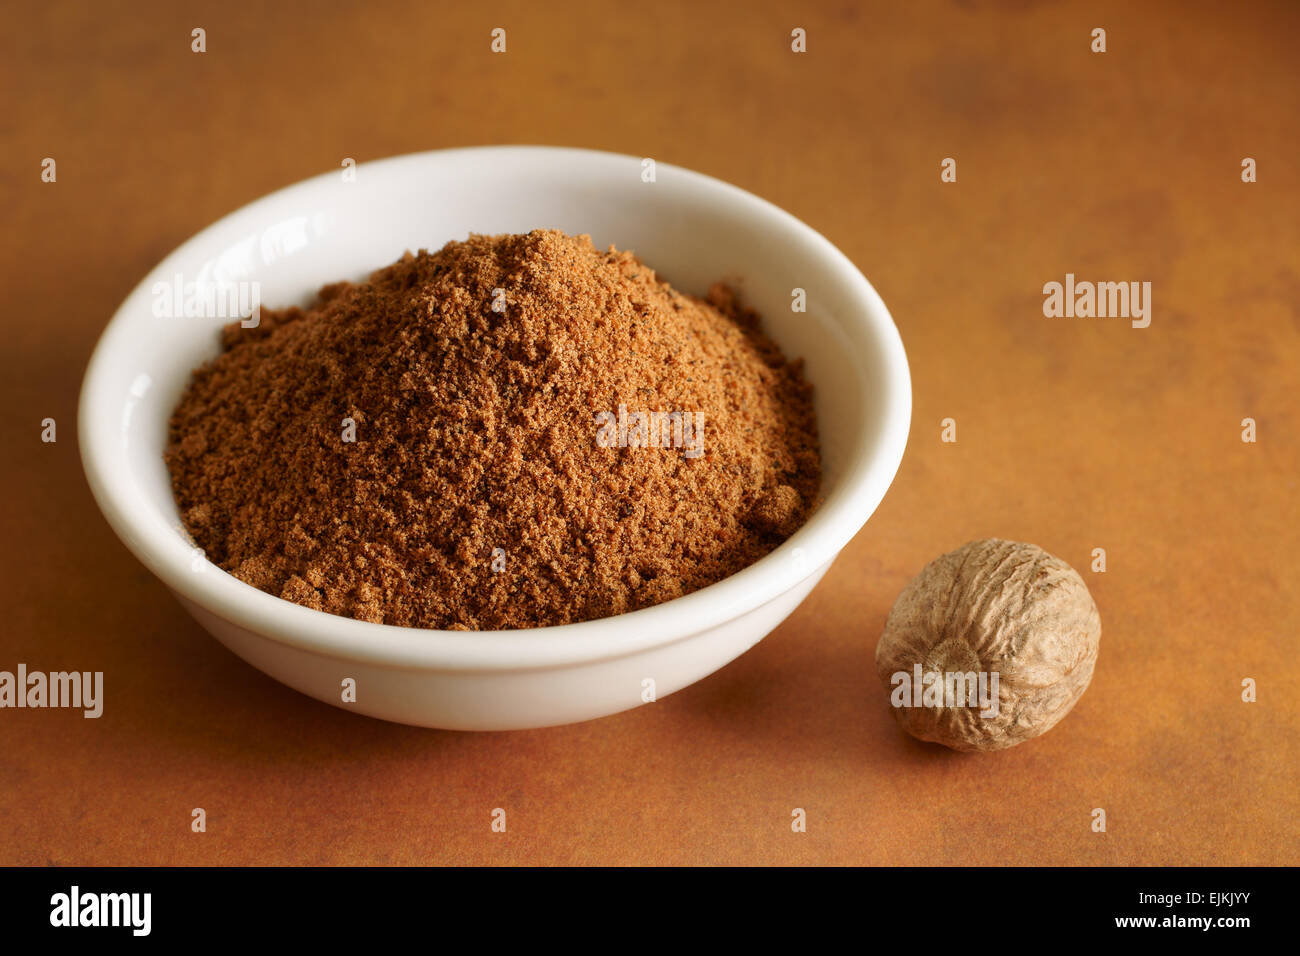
(690, 228)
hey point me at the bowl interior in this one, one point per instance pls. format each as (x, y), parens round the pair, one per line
(691, 229)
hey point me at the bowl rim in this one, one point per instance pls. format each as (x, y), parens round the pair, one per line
(865, 479)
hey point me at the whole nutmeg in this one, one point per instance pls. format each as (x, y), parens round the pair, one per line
(988, 646)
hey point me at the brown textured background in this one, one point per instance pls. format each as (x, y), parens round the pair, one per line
(1073, 433)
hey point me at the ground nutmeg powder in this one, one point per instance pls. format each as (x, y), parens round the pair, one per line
(513, 431)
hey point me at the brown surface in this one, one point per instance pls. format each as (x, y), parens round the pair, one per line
(1073, 433)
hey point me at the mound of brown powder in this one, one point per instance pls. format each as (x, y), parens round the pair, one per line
(466, 440)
